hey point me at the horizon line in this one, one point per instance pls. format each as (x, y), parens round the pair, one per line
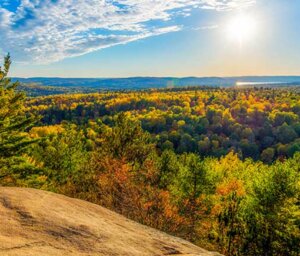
(177, 77)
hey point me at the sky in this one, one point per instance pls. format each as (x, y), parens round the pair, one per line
(124, 38)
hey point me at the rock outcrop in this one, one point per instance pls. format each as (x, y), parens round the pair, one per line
(35, 222)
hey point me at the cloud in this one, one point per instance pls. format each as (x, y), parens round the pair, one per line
(205, 27)
(45, 31)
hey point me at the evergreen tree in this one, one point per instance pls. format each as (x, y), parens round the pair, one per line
(13, 123)
(272, 214)
(63, 155)
(189, 190)
(128, 140)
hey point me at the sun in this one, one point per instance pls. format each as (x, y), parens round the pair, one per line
(241, 28)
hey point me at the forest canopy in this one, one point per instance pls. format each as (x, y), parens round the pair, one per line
(260, 123)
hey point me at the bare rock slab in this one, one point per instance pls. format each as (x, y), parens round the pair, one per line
(35, 222)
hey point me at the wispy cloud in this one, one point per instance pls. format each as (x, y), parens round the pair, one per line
(205, 27)
(45, 31)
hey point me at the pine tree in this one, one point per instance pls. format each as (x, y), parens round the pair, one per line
(13, 122)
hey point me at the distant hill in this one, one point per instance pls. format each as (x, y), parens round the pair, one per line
(35, 222)
(159, 82)
(35, 90)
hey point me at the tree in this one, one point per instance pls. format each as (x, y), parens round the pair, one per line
(188, 188)
(267, 155)
(286, 134)
(249, 149)
(168, 168)
(272, 212)
(128, 140)
(63, 155)
(294, 148)
(13, 123)
(230, 193)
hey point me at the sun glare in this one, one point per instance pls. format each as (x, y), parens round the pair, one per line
(241, 28)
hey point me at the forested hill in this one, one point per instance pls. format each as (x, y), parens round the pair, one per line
(159, 82)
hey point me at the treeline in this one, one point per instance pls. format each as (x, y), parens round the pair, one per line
(263, 124)
(235, 206)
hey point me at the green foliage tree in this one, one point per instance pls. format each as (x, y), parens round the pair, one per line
(272, 213)
(267, 155)
(286, 134)
(169, 167)
(14, 123)
(127, 140)
(293, 149)
(63, 155)
(189, 185)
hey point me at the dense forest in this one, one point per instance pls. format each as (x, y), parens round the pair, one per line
(219, 167)
(262, 124)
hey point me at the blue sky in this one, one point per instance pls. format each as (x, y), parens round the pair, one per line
(122, 38)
